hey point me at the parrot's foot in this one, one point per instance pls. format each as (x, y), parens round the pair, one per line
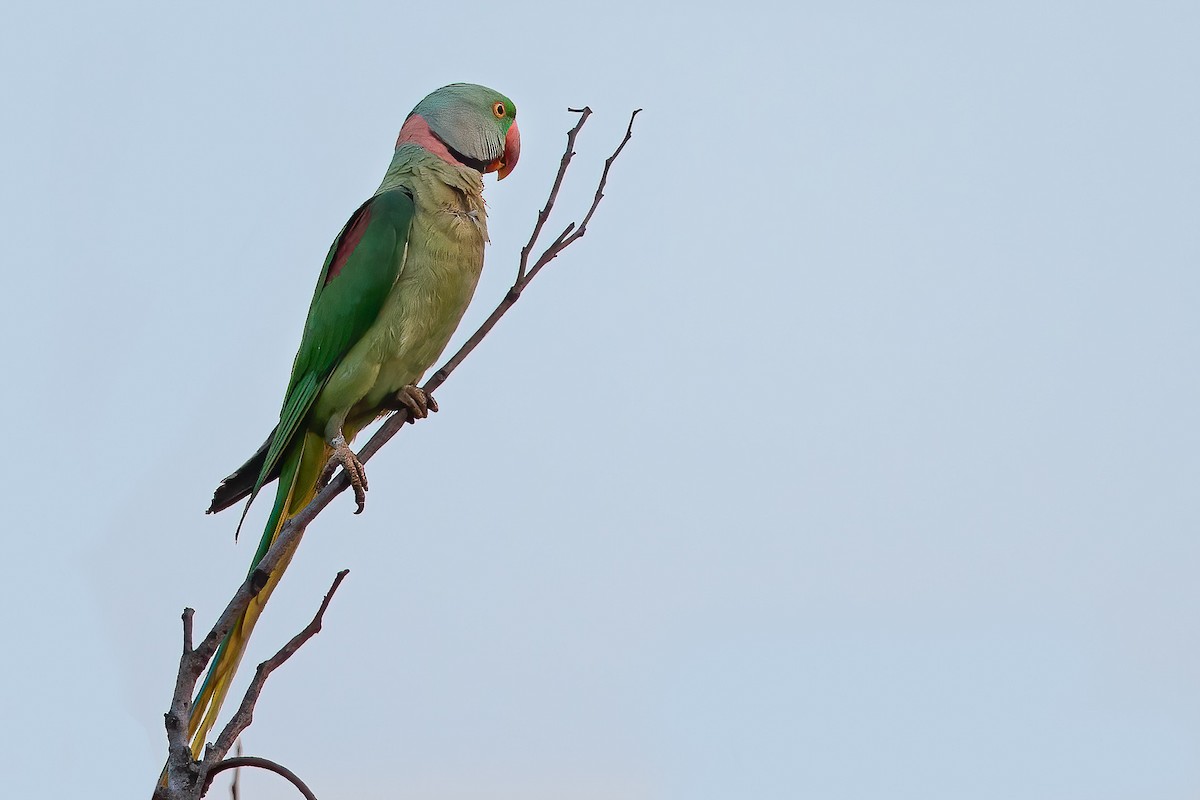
(344, 457)
(415, 401)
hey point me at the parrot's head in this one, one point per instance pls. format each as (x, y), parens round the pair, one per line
(470, 124)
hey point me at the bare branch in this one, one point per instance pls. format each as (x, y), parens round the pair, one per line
(544, 214)
(179, 755)
(245, 713)
(181, 699)
(182, 771)
(254, 761)
(188, 613)
(193, 661)
(564, 241)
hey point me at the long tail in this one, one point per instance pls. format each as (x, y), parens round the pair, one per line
(297, 485)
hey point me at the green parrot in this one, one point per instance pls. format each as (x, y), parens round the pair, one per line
(393, 288)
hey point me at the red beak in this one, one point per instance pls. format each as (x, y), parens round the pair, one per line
(512, 151)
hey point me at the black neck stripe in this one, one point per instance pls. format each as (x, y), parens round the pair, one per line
(466, 161)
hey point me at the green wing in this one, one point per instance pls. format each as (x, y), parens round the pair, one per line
(363, 264)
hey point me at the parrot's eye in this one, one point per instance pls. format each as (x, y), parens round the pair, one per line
(498, 110)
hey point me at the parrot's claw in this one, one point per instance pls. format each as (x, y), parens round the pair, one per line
(416, 401)
(344, 457)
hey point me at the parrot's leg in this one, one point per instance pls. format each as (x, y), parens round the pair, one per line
(344, 457)
(415, 400)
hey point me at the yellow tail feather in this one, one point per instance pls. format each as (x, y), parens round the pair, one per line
(311, 460)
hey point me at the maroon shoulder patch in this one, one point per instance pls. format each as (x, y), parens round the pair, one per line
(349, 240)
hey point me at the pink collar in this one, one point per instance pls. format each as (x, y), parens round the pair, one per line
(416, 130)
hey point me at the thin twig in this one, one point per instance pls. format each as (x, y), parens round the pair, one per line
(193, 661)
(188, 613)
(544, 214)
(262, 763)
(235, 784)
(565, 240)
(245, 713)
(182, 770)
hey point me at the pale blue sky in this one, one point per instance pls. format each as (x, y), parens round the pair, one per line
(852, 454)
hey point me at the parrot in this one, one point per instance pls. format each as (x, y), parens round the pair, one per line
(394, 286)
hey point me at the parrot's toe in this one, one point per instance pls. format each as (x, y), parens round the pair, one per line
(344, 457)
(416, 401)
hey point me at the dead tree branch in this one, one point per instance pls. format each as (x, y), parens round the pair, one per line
(187, 779)
(237, 762)
(245, 713)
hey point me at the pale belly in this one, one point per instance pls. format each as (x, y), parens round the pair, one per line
(417, 322)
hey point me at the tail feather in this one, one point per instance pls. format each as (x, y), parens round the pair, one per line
(297, 486)
(240, 483)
